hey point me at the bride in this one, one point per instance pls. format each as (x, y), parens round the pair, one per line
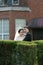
(19, 35)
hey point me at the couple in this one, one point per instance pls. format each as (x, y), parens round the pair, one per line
(23, 35)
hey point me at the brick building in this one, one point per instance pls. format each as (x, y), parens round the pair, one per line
(19, 13)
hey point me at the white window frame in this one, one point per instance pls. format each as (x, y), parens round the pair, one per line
(14, 3)
(2, 34)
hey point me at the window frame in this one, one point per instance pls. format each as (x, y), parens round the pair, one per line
(3, 33)
(14, 3)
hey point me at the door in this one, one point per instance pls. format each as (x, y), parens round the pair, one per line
(38, 34)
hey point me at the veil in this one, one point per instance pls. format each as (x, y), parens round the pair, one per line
(17, 34)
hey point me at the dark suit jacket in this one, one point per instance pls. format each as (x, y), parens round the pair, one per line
(27, 37)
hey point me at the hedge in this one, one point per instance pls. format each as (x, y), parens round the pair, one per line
(21, 53)
(17, 53)
(40, 51)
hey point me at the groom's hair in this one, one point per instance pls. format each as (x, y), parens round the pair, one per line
(19, 30)
(26, 27)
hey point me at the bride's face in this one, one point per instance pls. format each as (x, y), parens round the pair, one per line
(21, 33)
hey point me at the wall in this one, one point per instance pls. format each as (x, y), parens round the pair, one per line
(36, 7)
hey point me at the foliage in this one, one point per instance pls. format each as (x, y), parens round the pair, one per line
(21, 52)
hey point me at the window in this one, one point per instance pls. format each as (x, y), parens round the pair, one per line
(19, 23)
(4, 29)
(3, 2)
(9, 2)
(15, 2)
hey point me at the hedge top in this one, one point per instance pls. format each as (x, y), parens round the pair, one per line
(20, 42)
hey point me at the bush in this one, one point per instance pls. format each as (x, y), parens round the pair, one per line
(21, 53)
(17, 53)
(40, 52)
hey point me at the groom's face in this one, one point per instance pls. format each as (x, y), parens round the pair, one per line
(25, 30)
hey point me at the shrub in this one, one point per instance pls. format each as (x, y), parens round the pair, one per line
(17, 53)
(21, 53)
(40, 52)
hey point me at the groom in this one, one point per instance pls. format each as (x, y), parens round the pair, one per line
(27, 34)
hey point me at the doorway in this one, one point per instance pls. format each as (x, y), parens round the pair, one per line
(37, 34)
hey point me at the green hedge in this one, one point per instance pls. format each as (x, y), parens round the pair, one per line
(40, 51)
(17, 53)
(21, 53)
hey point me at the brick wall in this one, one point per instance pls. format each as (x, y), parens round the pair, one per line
(36, 7)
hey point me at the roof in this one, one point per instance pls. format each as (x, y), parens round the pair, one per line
(36, 23)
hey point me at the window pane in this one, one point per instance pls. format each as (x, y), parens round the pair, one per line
(5, 2)
(9, 2)
(4, 29)
(1, 2)
(0, 26)
(19, 23)
(15, 1)
(6, 37)
(0, 37)
(6, 26)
